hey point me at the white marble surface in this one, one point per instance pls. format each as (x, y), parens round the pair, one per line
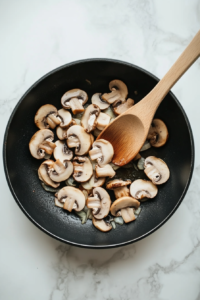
(38, 36)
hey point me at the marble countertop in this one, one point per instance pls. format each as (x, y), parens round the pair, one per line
(38, 36)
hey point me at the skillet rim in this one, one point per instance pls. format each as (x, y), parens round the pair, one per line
(85, 245)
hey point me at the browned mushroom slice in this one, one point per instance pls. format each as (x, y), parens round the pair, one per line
(119, 187)
(99, 203)
(43, 173)
(47, 116)
(158, 133)
(61, 171)
(141, 189)
(74, 99)
(71, 198)
(125, 207)
(102, 151)
(79, 139)
(118, 90)
(82, 169)
(97, 99)
(119, 107)
(62, 152)
(156, 169)
(89, 119)
(41, 143)
(101, 225)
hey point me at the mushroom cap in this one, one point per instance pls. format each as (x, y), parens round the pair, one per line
(61, 133)
(101, 225)
(66, 118)
(43, 173)
(72, 197)
(74, 93)
(116, 183)
(121, 203)
(120, 107)
(62, 152)
(42, 136)
(107, 151)
(61, 171)
(42, 114)
(84, 139)
(102, 197)
(82, 169)
(156, 169)
(140, 189)
(118, 90)
(89, 118)
(96, 99)
(158, 133)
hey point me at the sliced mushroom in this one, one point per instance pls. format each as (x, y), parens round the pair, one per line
(61, 171)
(141, 189)
(46, 117)
(99, 203)
(102, 151)
(101, 225)
(74, 99)
(119, 107)
(72, 198)
(158, 133)
(43, 173)
(125, 207)
(62, 152)
(97, 99)
(82, 169)
(119, 187)
(79, 139)
(105, 171)
(102, 121)
(61, 133)
(65, 117)
(118, 90)
(41, 143)
(93, 182)
(156, 169)
(89, 119)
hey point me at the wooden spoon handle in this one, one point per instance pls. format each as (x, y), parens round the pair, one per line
(187, 58)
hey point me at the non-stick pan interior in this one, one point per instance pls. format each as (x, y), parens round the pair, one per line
(21, 168)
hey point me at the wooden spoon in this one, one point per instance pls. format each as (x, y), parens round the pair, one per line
(127, 133)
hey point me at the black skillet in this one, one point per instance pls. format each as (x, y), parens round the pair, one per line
(93, 75)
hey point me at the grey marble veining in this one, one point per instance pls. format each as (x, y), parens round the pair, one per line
(38, 36)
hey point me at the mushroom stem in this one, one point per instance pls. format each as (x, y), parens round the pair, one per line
(128, 214)
(95, 153)
(58, 166)
(72, 141)
(76, 105)
(69, 204)
(47, 146)
(55, 119)
(93, 202)
(105, 171)
(121, 192)
(50, 122)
